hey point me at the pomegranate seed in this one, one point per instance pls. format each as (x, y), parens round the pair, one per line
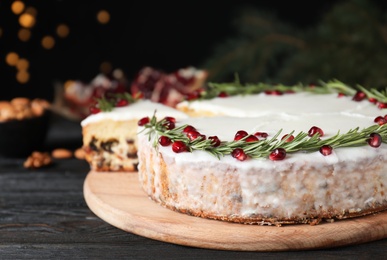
(240, 134)
(122, 103)
(94, 110)
(251, 138)
(164, 140)
(222, 94)
(380, 120)
(193, 95)
(179, 147)
(373, 100)
(261, 134)
(288, 138)
(340, 95)
(276, 93)
(278, 154)
(188, 128)
(375, 140)
(169, 118)
(193, 135)
(382, 105)
(326, 150)
(239, 154)
(268, 92)
(143, 121)
(169, 122)
(215, 141)
(315, 130)
(359, 96)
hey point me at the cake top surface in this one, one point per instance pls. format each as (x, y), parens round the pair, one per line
(279, 115)
(136, 110)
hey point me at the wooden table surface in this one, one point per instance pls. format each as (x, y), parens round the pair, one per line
(43, 215)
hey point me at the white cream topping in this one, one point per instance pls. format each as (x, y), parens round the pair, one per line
(137, 110)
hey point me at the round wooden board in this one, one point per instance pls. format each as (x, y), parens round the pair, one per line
(118, 199)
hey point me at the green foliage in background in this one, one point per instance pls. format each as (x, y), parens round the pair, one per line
(349, 43)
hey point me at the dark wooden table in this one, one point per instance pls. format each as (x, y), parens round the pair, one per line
(43, 215)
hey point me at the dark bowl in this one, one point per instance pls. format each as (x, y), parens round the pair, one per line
(19, 138)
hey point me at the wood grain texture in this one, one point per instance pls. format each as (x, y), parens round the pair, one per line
(118, 199)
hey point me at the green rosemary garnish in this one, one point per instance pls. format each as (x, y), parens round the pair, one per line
(105, 104)
(262, 149)
(236, 88)
(108, 102)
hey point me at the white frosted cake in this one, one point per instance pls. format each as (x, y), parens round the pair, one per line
(281, 159)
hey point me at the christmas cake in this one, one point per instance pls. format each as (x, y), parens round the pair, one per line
(280, 155)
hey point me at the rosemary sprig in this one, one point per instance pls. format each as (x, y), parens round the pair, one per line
(108, 102)
(236, 88)
(105, 104)
(263, 148)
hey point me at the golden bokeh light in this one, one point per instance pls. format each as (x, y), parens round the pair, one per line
(17, 7)
(32, 11)
(11, 58)
(24, 34)
(27, 20)
(105, 67)
(103, 16)
(22, 64)
(22, 76)
(62, 30)
(48, 42)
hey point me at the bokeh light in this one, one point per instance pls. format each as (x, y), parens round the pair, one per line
(103, 16)
(24, 34)
(32, 11)
(27, 20)
(106, 67)
(22, 64)
(48, 42)
(11, 58)
(62, 30)
(22, 76)
(17, 7)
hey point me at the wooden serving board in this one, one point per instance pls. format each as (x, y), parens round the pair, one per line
(118, 199)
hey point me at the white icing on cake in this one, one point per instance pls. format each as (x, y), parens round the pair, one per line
(137, 110)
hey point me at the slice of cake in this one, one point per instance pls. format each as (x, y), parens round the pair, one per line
(109, 138)
(270, 158)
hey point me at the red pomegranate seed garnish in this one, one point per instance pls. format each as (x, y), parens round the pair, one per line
(375, 140)
(359, 96)
(288, 138)
(239, 154)
(122, 103)
(261, 134)
(169, 118)
(373, 100)
(382, 105)
(222, 94)
(179, 147)
(188, 128)
(340, 95)
(268, 92)
(215, 141)
(251, 138)
(240, 134)
(277, 154)
(315, 130)
(143, 121)
(169, 123)
(326, 150)
(193, 135)
(164, 140)
(276, 93)
(380, 120)
(94, 110)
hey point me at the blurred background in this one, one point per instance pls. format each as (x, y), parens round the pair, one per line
(43, 43)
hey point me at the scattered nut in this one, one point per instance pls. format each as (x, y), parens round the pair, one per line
(61, 153)
(79, 153)
(37, 160)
